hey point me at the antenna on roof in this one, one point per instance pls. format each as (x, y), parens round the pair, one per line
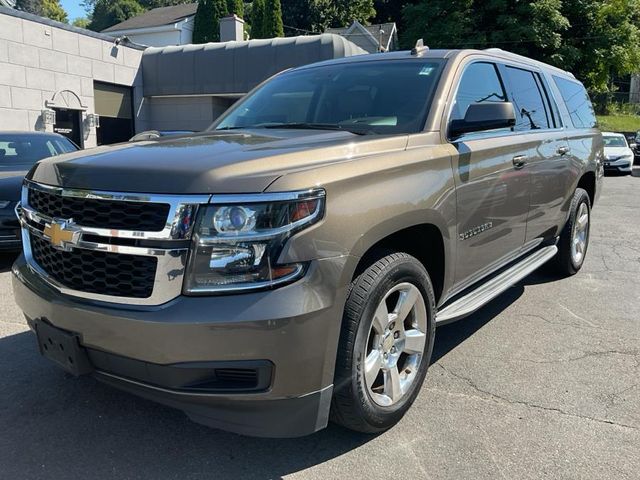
(420, 48)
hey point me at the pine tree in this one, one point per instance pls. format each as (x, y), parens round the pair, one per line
(257, 19)
(30, 6)
(206, 26)
(53, 10)
(109, 12)
(273, 26)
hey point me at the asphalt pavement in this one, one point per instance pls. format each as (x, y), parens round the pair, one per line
(541, 383)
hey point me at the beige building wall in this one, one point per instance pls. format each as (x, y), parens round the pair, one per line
(43, 65)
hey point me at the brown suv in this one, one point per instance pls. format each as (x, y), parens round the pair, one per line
(290, 264)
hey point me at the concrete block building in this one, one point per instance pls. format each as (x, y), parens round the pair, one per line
(57, 78)
(96, 89)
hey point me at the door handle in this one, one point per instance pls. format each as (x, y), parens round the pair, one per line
(563, 150)
(519, 161)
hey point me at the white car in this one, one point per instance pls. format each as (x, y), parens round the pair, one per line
(618, 156)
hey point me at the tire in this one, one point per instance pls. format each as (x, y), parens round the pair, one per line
(360, 403)
(566, 262)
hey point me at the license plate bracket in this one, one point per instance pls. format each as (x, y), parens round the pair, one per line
(62, 348)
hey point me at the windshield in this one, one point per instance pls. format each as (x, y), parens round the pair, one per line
(614, 141)
(22, 151)
(383, 97)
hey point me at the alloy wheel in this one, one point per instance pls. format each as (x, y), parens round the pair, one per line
(395, 346)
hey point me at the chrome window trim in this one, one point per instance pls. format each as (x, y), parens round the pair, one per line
(486, 134)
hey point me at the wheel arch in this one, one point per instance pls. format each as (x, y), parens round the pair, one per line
(588, 182)
(427, 241)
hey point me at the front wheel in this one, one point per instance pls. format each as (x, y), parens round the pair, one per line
(385, 345)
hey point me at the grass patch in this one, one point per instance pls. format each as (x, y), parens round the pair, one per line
(619, 123)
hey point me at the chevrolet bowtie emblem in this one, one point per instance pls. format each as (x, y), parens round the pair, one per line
(61, 233)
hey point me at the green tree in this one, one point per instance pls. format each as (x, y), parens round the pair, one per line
(257, 19)
(206, 26)
(603, 40)
(439, 22)
(317, 15)
(272, 26)
(53, 10)
(533, 28)
(236, 7)
(107, 13)
(81, 22)
(30, 6)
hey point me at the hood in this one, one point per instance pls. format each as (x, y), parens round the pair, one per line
(617, 151)
(10, 185)
(208, 162)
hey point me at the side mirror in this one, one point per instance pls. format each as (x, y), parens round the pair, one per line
(484, 116)
(633, 146)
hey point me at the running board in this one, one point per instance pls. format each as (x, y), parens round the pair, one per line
(486, 292)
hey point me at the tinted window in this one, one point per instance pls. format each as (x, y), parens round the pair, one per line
(578, 103)
(480, 83)
(370, 97)
(24, 150)
(524, 91)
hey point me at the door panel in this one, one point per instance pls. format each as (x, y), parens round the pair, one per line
(493, 203)
(551, 177)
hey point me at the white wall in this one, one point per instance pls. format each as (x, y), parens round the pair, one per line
(157, 39)
(37, 60)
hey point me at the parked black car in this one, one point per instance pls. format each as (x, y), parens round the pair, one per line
(19, 151)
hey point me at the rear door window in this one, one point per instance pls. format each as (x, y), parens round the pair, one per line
(578, 103)
(529, 101)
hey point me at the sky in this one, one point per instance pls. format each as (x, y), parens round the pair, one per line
(73, 8)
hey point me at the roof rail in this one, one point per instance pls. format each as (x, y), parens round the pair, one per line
(522, 58)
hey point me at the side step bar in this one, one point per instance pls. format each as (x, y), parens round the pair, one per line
(486, 292)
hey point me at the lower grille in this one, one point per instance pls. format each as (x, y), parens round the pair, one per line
(91, 271)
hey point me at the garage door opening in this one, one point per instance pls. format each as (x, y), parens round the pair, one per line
(114, 104)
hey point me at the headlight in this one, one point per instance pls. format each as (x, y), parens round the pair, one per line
(4, 203)
(237, 241)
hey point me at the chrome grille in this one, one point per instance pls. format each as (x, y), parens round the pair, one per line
(90, 212)
(90, 271)
(113, 247)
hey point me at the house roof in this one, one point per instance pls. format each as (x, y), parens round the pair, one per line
(157, 17)
(357, 29)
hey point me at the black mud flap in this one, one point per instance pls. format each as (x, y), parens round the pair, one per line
(63, 348)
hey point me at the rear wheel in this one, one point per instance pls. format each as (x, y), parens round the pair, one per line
(574, 239)
(385, 345)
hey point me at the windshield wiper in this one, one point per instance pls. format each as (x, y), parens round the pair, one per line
(314, 126)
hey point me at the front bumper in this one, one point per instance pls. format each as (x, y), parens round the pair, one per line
(9, 231)
(622, 166)
(294, 328)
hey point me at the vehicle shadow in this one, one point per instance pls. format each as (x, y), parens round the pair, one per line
(6, 260)
(55, 426)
